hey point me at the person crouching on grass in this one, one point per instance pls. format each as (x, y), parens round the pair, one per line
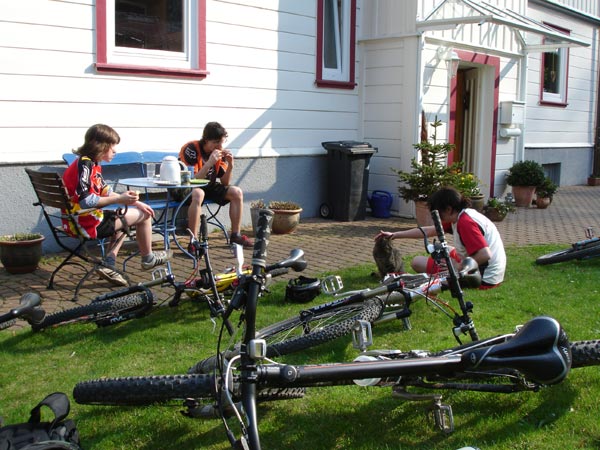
(474, 235)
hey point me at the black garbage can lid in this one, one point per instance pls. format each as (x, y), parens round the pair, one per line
(353, 147)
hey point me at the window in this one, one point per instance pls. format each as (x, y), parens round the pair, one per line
(554, 74)
(160, 37)
(336, 21)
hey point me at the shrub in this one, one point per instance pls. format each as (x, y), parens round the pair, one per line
(525, 173)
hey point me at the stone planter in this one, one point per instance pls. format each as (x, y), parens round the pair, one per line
(285, 220)
(477, 202)
(523, 195)
(422, 214)
(21, 256)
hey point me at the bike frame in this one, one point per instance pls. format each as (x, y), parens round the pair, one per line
(549, 366)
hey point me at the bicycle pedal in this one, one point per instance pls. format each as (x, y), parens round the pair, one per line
(442, 416)
(362, 335)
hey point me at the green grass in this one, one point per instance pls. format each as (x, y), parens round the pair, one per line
(172, 339)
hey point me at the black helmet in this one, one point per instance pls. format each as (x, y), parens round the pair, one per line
(302, 289)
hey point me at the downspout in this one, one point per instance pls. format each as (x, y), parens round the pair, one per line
(596, 151)
(520, 156)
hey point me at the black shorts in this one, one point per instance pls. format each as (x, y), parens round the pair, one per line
(215, 192)
(107, 227)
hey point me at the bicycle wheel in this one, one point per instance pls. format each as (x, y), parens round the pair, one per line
(138, 391)
(105, 312)
(585, 353)
(589, 250)
(299, 333)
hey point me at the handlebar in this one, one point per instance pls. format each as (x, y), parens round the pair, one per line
(29, 309)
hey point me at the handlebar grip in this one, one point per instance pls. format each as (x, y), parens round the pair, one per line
(437, 221)
(203, 228)
(263, 233)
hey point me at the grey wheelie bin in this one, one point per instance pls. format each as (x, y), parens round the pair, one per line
(348, 180)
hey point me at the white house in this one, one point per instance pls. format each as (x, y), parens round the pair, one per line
(496, 105)
(283, 76)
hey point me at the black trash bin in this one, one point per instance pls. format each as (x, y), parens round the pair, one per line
(348, 180)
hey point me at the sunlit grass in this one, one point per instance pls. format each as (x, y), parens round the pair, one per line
(172, 339)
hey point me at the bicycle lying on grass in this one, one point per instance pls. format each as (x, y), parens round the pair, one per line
(29, 309)
(584, 249)
(537, 354)
(138, 301)
(390, 301)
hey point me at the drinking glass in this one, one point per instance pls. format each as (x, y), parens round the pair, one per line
(150, 170)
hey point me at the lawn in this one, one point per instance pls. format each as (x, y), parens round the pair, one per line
(172, 339)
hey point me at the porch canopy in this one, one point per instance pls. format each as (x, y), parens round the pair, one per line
(529, 32)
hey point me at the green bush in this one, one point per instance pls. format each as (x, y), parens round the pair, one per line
(525, 173)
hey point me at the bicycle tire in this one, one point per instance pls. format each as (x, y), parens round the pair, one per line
(97, 311)
(291, 335)
(585, 353)
(140, 391)
(587, 251)
(7, 324)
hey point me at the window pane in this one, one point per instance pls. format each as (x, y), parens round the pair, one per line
(330, 34)
(149, 24)
(552, 72)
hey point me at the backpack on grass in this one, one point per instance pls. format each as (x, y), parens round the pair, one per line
(59, 434)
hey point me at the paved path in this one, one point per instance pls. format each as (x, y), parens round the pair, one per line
(329, 246)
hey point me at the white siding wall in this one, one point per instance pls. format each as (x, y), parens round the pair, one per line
(261, 59)
(389, 110)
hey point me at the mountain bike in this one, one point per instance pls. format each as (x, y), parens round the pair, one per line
(138, 301)
(29, 309)
(537, 354)
(584, 249)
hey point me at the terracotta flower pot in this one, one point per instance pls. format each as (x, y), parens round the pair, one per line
(422, 214)
(494, 215)
(542, 202)
(523, 195)
(285, 221)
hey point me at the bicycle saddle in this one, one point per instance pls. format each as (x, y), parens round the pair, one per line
(539, 350)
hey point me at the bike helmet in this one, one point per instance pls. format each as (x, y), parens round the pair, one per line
(302, 289)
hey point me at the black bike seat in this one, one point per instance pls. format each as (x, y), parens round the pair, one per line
(540, 350)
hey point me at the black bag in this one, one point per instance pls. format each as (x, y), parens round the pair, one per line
(59, 434)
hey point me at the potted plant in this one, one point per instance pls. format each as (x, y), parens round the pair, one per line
(287, 216)
(544, 193)
(428, 173)
(496, 210)
(524, 176)
(255, 207)
(21, 252)
(468, 185)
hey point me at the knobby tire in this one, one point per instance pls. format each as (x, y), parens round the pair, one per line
(589, 251)
(297, 334)
(96, 311)
(585, 353)
(138, 391)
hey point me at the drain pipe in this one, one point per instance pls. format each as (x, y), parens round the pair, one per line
(596, 151)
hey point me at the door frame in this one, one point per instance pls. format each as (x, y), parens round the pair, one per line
(488, 68)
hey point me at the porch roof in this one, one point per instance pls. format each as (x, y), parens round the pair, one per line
(530, 33)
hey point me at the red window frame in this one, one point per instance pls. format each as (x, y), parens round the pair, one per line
(320, 81)
(103, 65)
